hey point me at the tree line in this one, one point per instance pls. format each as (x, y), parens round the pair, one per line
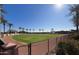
(3, 21)
(74, 12)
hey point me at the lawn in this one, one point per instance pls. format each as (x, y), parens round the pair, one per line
(31, 38)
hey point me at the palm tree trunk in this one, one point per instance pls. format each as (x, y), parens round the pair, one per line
(9, 29)
(4, 28)
(77, 22)
(76, 28)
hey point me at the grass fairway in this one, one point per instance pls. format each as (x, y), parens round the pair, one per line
(31, 38)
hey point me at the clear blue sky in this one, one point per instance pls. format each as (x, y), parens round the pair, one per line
(37, 16)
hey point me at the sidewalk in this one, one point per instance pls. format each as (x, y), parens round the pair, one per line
(22, 50)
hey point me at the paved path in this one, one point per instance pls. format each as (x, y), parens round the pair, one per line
(8, 39)
(37, 48)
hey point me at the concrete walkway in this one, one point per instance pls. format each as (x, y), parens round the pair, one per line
(39, 48)
(21, 51)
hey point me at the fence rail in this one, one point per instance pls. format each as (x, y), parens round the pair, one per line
(40, 48)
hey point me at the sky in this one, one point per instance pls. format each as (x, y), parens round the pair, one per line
(38, 16)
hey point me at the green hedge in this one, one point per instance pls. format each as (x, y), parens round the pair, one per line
(67, 48)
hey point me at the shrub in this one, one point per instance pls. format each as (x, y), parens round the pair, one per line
(74, 36)
(67, 48)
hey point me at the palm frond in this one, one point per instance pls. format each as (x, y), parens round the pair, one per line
(2, 11)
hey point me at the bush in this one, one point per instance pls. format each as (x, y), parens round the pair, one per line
(74, 36)
(67, 48)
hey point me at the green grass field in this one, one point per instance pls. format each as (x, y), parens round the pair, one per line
(31, 38)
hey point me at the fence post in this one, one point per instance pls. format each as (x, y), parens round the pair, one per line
(16, 52)
(29, 49)
(48, 45)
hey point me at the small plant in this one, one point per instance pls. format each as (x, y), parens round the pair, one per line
(65, 48)
(61, 48)
(74, 36)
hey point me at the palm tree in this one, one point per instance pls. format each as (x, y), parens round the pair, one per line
(30, 29)
(1, 9)
(52, 29)
(33, 30)
(20, 29)
(39, 30)
(4, 23)
(26, 30)
(23, 29)
(74, 11)
(42, 30)
(10, 26)
(2, 20)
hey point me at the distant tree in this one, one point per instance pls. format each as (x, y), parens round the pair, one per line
(20, 29)
(30, 29)
(10, 26)
(39, 30)
(42, 30)
(27, 30)
(52, 30)
(4, 23)
(23, 29)
(33, 30)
